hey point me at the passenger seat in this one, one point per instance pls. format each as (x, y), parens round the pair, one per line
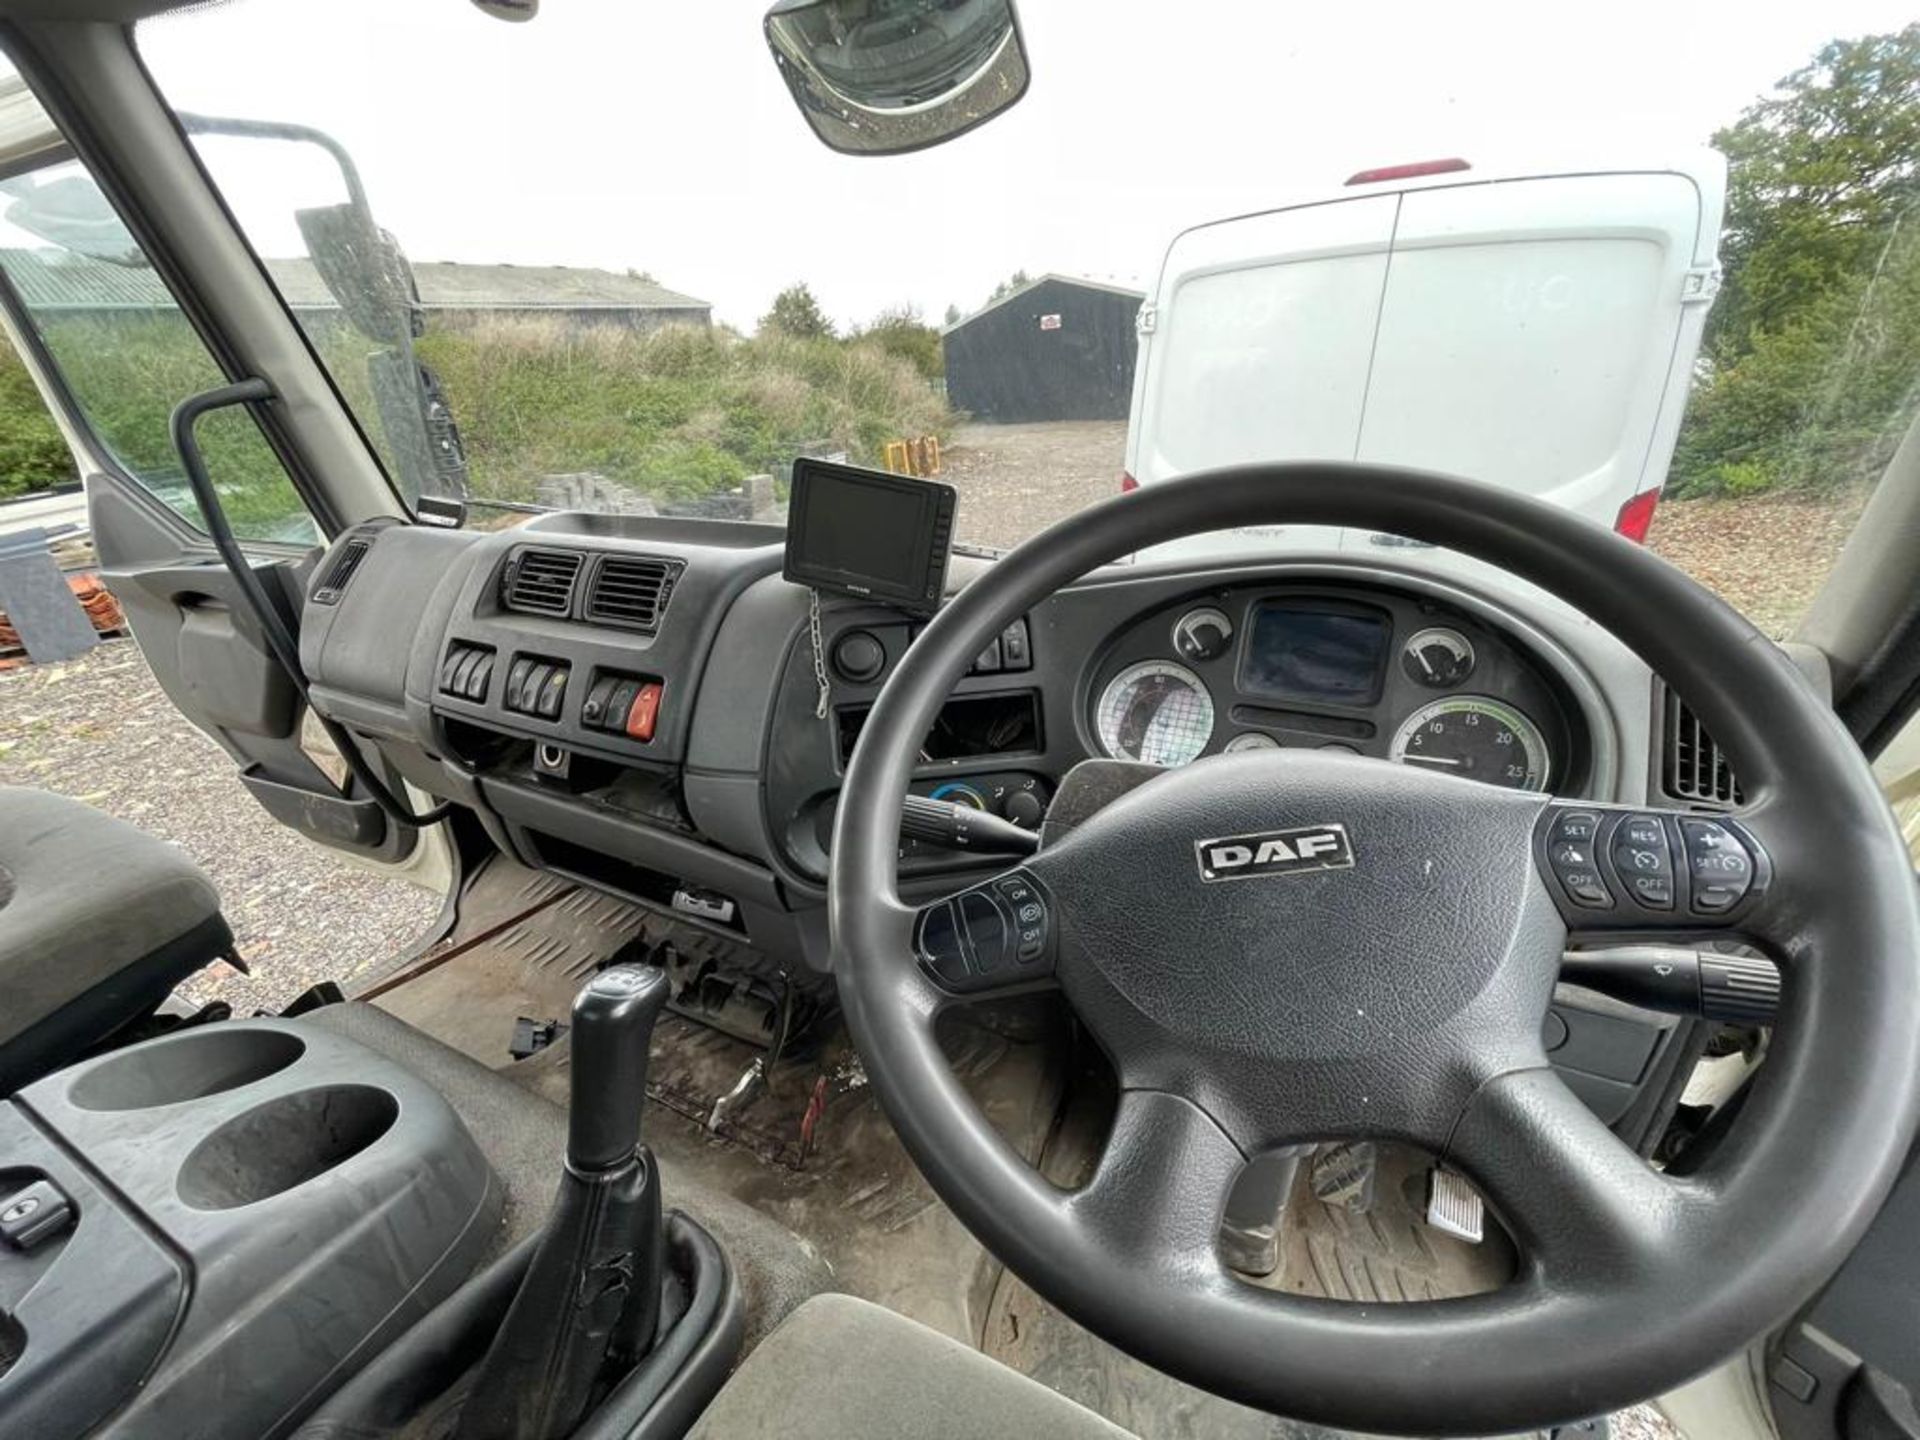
(98, 923)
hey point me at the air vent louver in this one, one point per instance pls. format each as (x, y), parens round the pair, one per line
(1692, 768)
(334, 583)
(540, 582)
(631, 591)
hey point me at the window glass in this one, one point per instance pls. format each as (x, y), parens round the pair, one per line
(123, 349)
(1688, 315)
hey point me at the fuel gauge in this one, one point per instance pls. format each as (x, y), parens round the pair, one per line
(1438, 658)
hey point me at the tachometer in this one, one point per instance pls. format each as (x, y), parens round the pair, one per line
(1155, 711)
(1479, 738)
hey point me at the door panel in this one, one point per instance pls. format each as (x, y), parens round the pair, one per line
(207, 653)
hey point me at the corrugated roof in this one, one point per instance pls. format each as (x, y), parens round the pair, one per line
(1073, 280)
(450, 285)
(53, 280)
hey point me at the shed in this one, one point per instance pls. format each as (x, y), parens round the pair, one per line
(1055, 349)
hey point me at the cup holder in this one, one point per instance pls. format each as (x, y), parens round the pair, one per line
(197, 1064)
(283, 1143)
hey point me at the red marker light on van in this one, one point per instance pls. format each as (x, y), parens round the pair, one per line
(1127, 483)
(1636, 516)
(1409, 172)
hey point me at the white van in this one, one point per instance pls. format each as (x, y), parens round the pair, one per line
(1536, 331)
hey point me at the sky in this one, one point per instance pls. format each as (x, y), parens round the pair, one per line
(656, 135)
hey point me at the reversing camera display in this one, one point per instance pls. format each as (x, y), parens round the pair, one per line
(867, 532)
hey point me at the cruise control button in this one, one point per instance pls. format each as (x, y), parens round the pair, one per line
(1033, 941)
(1655, 891)
(1644, 831)
(1635, 861)
(1568, 853)
(1718, 864)
(1575, 825)
(1713, 899)
(1586, 888)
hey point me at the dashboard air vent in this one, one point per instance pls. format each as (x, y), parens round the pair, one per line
(631, 591)
(540, 582)
(1692, 769)
(333, 584)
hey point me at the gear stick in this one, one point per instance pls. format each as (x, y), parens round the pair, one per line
(592, 1291)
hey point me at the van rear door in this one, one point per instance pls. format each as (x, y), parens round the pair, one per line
(1536, 332)
(1540, 334)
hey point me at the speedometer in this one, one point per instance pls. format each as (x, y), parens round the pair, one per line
(1155, 711)
(1479, 738)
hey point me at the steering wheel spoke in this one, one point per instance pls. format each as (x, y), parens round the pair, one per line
(1161, 1182)
(1586, 1211)
(992, 938)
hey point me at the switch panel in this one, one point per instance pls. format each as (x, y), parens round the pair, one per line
(626, 705)
(536, 686)
(467, 671)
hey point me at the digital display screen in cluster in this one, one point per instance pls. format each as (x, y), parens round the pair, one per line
(1300, 650)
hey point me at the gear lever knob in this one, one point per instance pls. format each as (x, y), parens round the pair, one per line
(613, 1018)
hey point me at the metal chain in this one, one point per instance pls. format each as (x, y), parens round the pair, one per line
(819, 653)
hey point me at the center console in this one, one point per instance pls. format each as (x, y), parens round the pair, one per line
(204, 1233)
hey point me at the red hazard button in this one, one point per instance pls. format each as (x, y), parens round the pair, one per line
(644, 711)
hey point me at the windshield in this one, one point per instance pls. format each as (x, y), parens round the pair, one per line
(1667, 275)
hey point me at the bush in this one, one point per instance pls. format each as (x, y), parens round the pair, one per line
(33, 456)
(1819, 405)
(676, 413)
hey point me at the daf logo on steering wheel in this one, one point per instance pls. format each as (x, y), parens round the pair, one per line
(1274, 852)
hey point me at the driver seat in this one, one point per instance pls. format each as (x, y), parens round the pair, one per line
(838, 1368)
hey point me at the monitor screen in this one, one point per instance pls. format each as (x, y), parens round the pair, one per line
(862, 532)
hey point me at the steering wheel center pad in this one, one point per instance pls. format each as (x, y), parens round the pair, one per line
(1309, 945)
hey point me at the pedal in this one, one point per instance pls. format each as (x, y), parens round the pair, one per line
(745, 1090)
(1343, 1175)
(1454, 1207)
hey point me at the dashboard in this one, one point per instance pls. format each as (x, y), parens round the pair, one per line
(640, 704)
(637, 702)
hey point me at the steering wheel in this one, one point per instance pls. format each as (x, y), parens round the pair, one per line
(1295, 946)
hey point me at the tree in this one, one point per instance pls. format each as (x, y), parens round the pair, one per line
(953, 314)
(1007, 286)
(1819, 171)
(1810, 379)
(900, 331)
(796, 313)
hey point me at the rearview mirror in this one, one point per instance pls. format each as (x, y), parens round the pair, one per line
(881, 77)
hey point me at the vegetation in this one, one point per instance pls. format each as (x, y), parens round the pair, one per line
(797, 315)
(1809, 377)
(32, 454)
(680, 412)
(902, 333)
(127, 373)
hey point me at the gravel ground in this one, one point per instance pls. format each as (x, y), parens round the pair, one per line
(1017, 479)
(1764, 556)
(99, 729)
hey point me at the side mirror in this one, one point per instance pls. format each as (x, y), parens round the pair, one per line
(881, 77)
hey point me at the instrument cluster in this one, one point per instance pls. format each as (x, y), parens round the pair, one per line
(1370, 670)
